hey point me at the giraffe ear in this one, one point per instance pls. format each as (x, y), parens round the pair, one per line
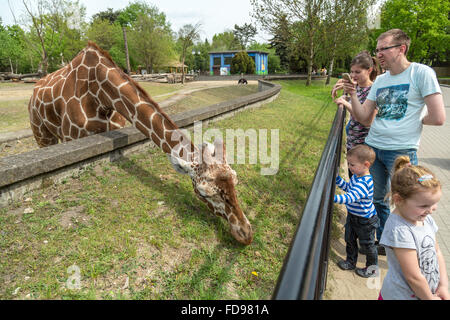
(220, 150)
(180, 165)
(207, 150)
(213, 153)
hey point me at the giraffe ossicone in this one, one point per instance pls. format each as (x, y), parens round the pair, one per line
(92, 94)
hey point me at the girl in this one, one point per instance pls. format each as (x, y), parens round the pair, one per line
(416, 265)
(363, 69)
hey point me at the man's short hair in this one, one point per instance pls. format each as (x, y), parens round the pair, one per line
(363, 153)
(398, 36)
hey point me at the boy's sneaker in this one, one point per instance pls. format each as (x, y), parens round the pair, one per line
(367, 272)
(346, 265)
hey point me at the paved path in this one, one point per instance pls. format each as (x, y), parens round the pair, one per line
(434, 153)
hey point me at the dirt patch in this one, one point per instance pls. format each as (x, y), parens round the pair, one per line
(74, 218)
(17, 146)
(16, 92)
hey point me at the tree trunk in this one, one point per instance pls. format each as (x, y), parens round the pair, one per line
(310, 62)
(11, 66)
(182, 72)
(333, 55)
(44, 63)
(330, 70)
(124, 29)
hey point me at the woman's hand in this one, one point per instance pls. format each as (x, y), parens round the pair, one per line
(342, 100)
(349, 87)
(338, 86)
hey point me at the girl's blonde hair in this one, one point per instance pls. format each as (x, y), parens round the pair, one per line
(409, 179)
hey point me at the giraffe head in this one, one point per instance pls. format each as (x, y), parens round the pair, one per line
(214, 183)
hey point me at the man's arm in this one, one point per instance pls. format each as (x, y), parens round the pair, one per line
(436, 110)
(364, 113)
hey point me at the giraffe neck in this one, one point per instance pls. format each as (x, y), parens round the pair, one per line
(118, 91)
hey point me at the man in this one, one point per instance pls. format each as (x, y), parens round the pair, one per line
(395, 111)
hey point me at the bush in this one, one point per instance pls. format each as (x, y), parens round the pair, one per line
(242, 63)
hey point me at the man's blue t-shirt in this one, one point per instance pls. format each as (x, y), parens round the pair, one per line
(400, 102)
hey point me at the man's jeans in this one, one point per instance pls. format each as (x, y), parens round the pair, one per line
(381, 172)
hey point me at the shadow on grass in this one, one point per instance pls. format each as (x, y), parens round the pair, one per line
(303, 139)
(183, 200)
(306, 134)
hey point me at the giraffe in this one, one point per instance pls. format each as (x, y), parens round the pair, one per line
(91, 94)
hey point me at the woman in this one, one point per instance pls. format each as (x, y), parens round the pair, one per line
(363, 70)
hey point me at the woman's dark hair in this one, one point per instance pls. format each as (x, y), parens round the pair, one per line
(366, 61)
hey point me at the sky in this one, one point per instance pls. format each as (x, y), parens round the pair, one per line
(215, 15)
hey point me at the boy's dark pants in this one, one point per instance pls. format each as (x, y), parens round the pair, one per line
(364, 230)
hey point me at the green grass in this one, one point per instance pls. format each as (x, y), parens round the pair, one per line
(138, 219)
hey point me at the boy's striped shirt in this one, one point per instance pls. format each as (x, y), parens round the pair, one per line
(358, 197)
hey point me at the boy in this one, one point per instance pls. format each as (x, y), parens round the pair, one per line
(362, 219)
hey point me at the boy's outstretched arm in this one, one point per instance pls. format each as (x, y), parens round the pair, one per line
(359, 191)
(341, 183)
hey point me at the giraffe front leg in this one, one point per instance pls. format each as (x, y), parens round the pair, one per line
(42, 135)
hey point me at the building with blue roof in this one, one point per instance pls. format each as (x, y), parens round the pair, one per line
(220, 61)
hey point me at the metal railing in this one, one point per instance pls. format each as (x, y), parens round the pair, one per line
(304, 272)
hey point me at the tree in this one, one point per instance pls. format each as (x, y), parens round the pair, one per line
(244, 34)
(427, 24)
(198, 58)
(186, 37)
(55, 27)
(13, 51)
(281, 42)
(152, 40)
(225, 41)
(125, 18)
(242, 63)
(109, 15)
(306, 17)
(128, 18)
(104, 33)
(345, 30)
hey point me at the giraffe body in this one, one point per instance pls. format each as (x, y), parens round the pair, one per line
(92, 94)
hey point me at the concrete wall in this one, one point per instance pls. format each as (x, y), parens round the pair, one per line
(259, 77)
(28, 171)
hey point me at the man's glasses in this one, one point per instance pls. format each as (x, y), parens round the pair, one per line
(386, 48)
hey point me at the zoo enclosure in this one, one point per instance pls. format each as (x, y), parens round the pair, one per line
(304, 272)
